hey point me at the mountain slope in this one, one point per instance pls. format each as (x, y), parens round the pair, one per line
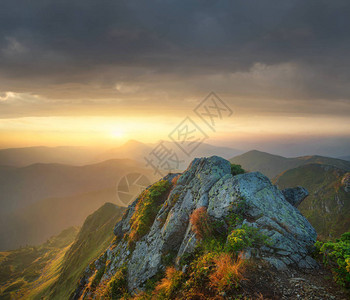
(51, 271)
(26, 269)
(272, 165)
(93, 238)
(328, 205)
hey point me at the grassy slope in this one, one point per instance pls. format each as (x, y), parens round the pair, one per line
(93, 238)
(27, 268)
(51, 271)
(272, 165)
(328, 205)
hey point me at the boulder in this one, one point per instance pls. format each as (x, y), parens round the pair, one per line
(295, 195)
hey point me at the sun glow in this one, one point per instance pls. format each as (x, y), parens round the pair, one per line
(117, 133)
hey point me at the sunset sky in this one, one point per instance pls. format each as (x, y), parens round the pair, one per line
(102, 72)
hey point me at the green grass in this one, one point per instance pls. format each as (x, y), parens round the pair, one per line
(52, 270)
(94, 237)
(147, 208)
(24, 272)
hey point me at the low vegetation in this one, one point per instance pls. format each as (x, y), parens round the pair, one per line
(117, 286)
(24, 272)
(147, 208)
(51, 271)
(336, 255)
(216, 267)
(237, 169)
(200, 222)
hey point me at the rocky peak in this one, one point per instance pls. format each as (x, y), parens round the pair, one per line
(208, 183)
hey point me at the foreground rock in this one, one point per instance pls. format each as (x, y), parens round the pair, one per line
(208, 182)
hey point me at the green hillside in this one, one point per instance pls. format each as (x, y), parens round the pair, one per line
(273, 165)
(52, 270)
(23, 271)
(328, 205)
(94, 237)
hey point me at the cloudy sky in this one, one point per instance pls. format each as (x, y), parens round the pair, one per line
(80, 72)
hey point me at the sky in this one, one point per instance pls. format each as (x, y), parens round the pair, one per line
(84, 72)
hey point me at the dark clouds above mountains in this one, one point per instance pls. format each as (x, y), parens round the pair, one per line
(272, 48)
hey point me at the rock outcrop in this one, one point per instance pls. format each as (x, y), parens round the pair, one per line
(208, 182)
(346, 182)
(295, 195)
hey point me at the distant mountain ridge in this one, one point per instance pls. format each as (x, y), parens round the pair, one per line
(33, 224)
(347, 157)
(272, 165)
(138, 151)
(20, 157)
(20, 187)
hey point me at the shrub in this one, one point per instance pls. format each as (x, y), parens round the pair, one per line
(117, 286)
(212, 273)
(228, 272)
(175, 179)
(201, 268)
(169, 285)
(236, 169)
(245, 237)
(147, 208)
(336, 255)
(200, 222)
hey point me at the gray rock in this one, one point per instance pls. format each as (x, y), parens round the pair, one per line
(295, 195)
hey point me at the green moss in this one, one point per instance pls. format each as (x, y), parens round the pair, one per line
(147, 208)
(117, 286)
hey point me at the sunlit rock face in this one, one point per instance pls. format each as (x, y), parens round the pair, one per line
(208, 182)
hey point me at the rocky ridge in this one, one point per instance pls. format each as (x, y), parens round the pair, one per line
(208, 182)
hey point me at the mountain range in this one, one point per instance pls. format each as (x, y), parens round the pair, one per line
(272, 165)
(75, 263)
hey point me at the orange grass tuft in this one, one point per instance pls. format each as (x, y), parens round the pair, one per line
(200, 222)
(228, 272)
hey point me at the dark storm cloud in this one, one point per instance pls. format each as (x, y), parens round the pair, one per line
(59, 42)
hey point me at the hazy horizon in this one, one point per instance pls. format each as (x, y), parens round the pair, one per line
(99, 75)
(287, 148)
